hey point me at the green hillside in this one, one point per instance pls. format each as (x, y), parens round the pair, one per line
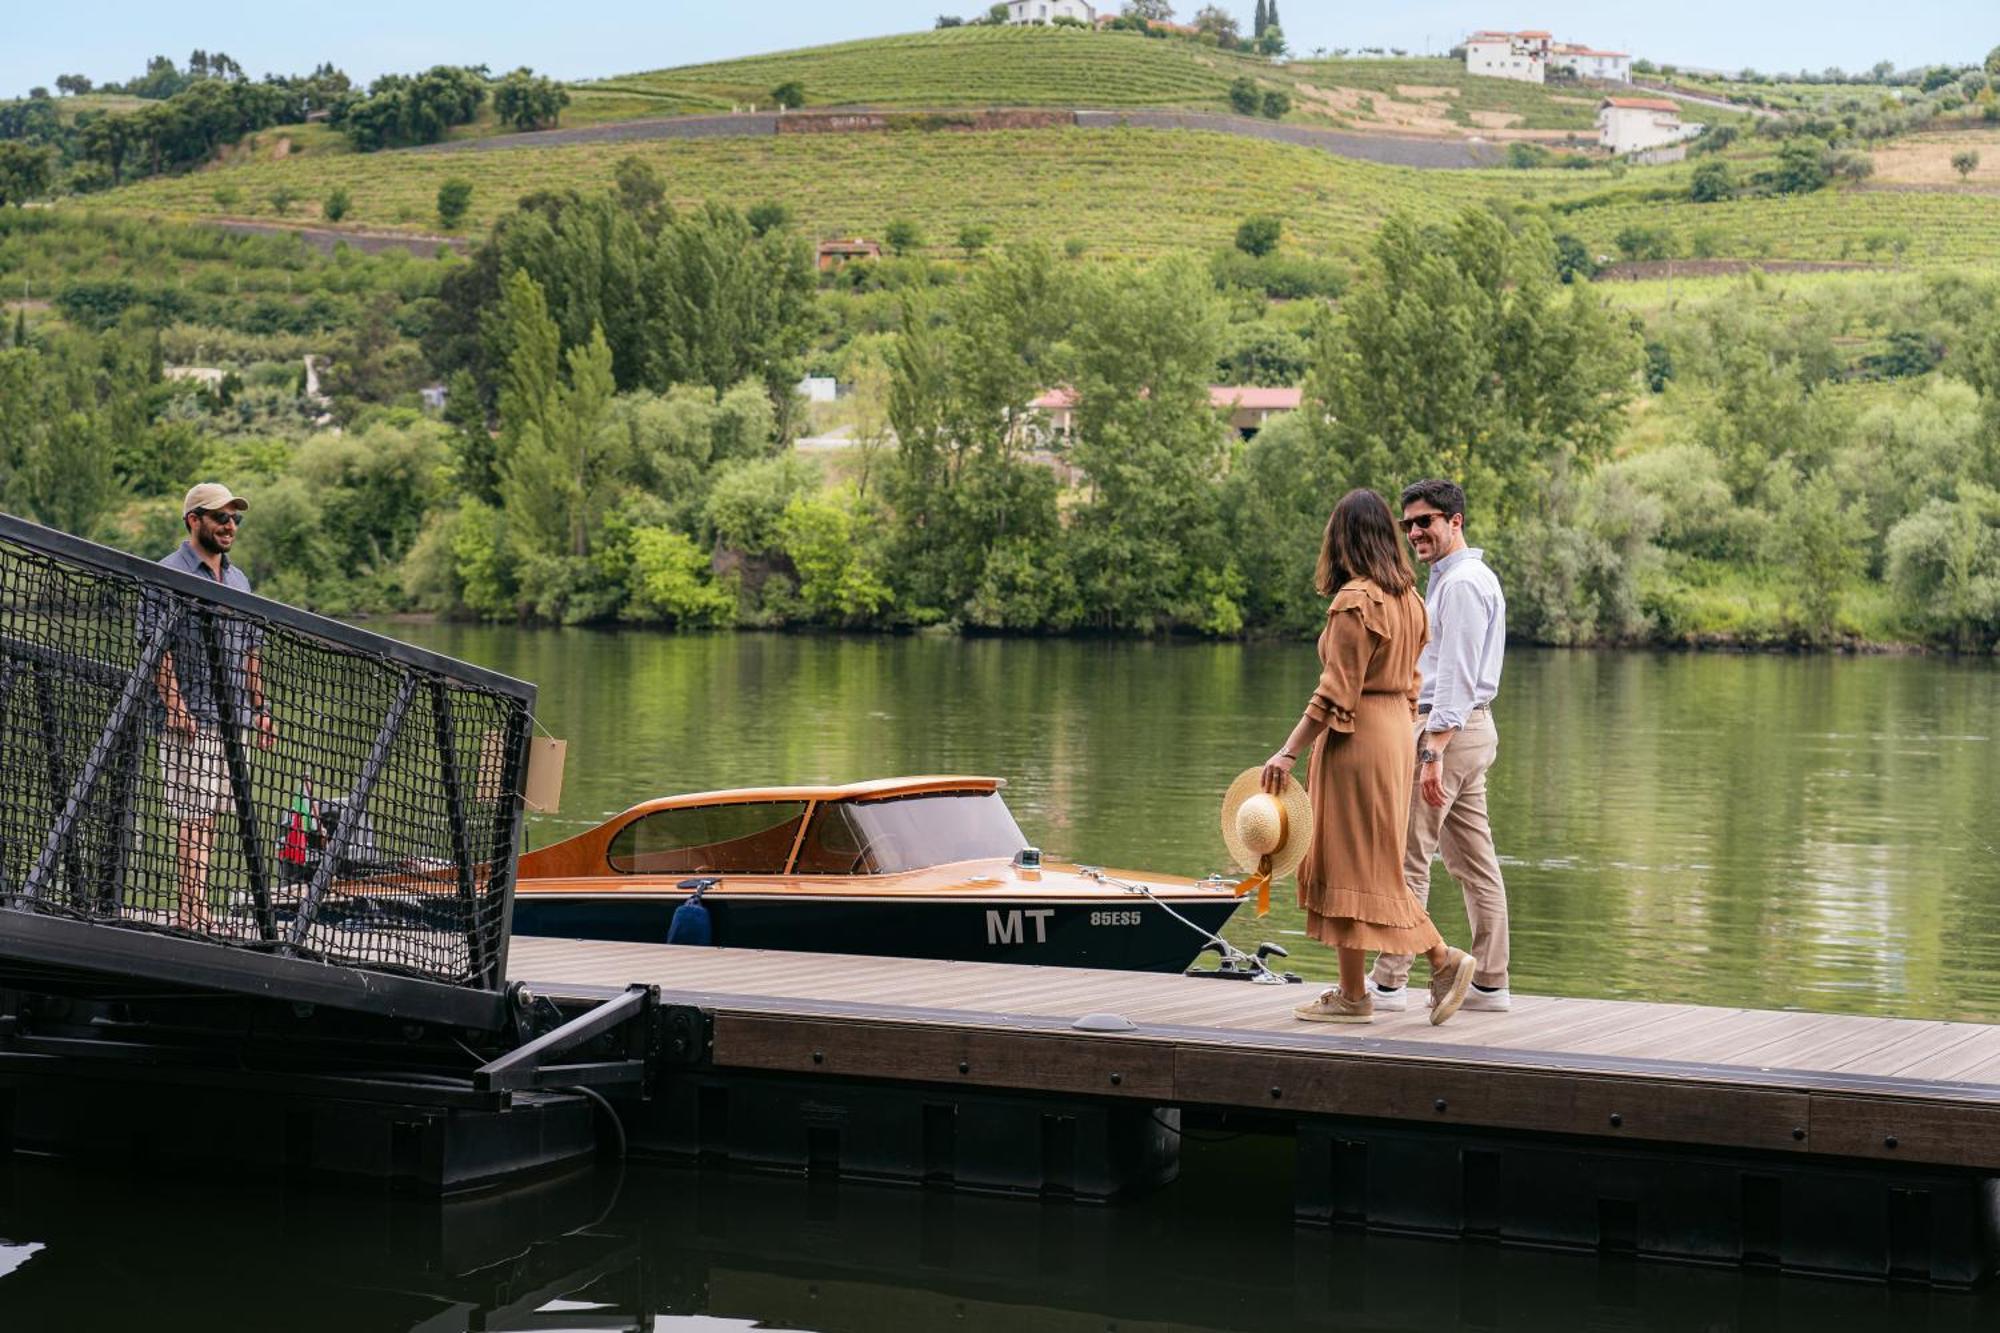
(1120, 191)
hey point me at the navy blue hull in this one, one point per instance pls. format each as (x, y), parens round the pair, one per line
(1129, 934)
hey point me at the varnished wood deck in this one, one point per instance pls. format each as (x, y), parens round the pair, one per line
(1816, 1084)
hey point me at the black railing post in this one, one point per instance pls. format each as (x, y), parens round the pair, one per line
(136, 684)
(247, 830)
(357, 800)
(507, 834)
(461, 841)
(55, 753)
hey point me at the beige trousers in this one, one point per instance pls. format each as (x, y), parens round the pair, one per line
(1460, 833)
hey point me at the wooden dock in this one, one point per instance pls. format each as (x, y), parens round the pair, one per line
(1772, 1121)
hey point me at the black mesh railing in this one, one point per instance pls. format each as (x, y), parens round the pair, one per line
(191, 760)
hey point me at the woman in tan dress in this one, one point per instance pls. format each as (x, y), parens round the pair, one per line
(1362, 715)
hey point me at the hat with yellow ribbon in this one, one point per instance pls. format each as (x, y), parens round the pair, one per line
(1267, 835)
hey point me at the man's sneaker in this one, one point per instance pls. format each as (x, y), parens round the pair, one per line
(1497, 999)
(1389, 1001)
(1449, 985)
(1334, 1007)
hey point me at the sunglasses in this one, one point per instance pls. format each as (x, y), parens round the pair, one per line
(221, 515)
(1419, 522)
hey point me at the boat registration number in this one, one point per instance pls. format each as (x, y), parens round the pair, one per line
(1114, 918)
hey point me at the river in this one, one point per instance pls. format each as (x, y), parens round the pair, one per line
(1811, 832)
(1773, 831)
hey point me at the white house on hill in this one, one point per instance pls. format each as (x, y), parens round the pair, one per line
(1529, 56)
(1508, 55)
(1636, 124)
(1047, 11)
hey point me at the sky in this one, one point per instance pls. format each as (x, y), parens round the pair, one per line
(111, 39)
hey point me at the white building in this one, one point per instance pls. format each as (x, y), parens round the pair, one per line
(1508, 55)
(1635, 124)
(1047, 11)
(1586, 63)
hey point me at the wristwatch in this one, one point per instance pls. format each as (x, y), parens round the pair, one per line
(1427, 755)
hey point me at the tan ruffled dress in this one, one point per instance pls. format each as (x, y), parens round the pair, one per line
(1351, 882)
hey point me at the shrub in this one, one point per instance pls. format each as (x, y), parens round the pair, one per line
(1243, 95)
(902, 236)
(767, 216)
(1712, 183)
(454, 198)
(1637, 242)
(1965, 163)
(974, 237)
(1258, 234)
(1801, 168)
(790, 93)
(1524, 156)
(282, 200)
(336, 204)
(1573, 259)
(1276, 103)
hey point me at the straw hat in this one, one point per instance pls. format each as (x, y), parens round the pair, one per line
(1256, 824)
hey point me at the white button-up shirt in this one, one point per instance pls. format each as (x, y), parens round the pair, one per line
(1461, 663)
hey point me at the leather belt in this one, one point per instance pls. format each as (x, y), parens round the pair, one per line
(1476, 708)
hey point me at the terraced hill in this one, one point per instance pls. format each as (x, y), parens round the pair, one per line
(1121, 191)
(1034, 66)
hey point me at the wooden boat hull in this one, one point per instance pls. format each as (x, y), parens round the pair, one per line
(1126, 932)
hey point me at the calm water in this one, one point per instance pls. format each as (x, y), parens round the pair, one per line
(1746, 830)
(1728, 830)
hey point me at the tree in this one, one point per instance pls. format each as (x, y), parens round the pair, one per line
(1965, 163)
(1712, 183)
(1161, 11)
(640, 188)
(1272, 42)
(1523, 378)
(528, 101)
(557, 458)
(1260, 21)
(1993, 61)
(1243, 95)
(25, 171)
(974, 237)
(73, 84)
(1217, 24)
(790, 93)
(454, 197)
(1573, 259)
(336, 204)
(902, 236)
(1801, 167)
(767, 216)
(282, 198)
(1258, 234)
(728, 305)
(1276, 103)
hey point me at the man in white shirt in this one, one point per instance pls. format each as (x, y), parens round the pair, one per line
(1456, 741)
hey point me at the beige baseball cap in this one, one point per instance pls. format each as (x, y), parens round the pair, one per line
(212, 495)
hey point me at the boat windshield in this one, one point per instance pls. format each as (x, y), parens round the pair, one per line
(744, 838)
(908, 833)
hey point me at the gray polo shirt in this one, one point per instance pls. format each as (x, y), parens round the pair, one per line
(240, 638)
(1461, 663)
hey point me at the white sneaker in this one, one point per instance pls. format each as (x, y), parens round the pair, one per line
(1492, 1001)
(1389, 1001)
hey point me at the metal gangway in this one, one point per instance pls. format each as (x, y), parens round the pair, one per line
(328, 816)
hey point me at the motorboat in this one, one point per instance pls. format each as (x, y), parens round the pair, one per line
(912, 867)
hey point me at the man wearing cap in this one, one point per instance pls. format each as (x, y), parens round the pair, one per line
(193, 769)
(1456, 741)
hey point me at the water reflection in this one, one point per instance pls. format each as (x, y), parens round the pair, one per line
(1723, 829)
(665, 1249)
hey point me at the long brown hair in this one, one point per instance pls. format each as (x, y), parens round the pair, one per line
(1360, 543)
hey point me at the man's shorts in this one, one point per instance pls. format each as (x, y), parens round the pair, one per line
(194, 776)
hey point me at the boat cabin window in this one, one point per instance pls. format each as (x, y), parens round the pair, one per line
(908, 833)
(747, 838)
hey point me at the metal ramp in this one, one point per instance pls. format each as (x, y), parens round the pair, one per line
(206, 791)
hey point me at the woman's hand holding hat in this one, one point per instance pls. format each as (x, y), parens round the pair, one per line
(1276, 769)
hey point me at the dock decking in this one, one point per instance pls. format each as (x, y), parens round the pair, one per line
(1811, 1085)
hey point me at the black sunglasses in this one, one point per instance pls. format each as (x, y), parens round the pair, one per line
(221, 515)
(1420, 522)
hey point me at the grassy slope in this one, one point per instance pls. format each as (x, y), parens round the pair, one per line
(1031, 66)
(1121, 191)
